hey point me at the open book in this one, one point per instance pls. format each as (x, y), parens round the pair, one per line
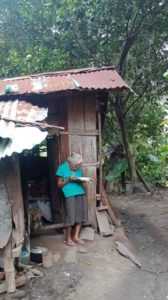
(85, 179)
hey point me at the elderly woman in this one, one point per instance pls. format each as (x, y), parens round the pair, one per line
(75, 204)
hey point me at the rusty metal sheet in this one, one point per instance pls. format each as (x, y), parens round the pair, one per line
(88, 78)
(102, 79)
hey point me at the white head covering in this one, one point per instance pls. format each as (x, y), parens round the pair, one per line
(75, 158)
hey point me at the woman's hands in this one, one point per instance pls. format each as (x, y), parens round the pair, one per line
(73, 178)
(62, 182)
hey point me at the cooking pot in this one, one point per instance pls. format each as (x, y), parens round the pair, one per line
(36, 254)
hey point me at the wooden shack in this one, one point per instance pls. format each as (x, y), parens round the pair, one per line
(77, 101)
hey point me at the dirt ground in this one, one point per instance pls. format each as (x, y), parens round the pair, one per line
(98, 272)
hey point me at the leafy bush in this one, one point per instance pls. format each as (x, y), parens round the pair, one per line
(152, 160)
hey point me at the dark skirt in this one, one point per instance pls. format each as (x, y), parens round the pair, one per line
(76, 210)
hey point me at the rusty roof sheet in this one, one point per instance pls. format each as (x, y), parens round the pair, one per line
(89, 78)
(104, 79)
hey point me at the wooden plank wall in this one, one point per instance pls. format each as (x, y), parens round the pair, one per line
(58, 150)
(11, 175)
(76, 112)
(82, 121)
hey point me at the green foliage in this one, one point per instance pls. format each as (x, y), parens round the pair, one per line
(49, 35)
(152, 159)
(115, 173)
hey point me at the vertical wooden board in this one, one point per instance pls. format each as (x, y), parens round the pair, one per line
(82, 118)
(76, 112)
(76, 144)
(9, 268)
(63, 120)
(53, 160)
(90, 149)
(5, 215)
(85, 145)
(76, 122)
(90, 112)
(58, 150)
(62, 111)
(15, 196)
(91, 195)
(13, 183)
(58, 115)
(57, 111)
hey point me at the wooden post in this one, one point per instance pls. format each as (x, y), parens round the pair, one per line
(100, 153)
(21, 280)
(9, 268)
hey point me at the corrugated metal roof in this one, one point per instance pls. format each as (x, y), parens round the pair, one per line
(104, 79)
(13, 136)
(89, 78)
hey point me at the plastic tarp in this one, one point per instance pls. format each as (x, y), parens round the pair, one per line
(22, 138)
(18, 128)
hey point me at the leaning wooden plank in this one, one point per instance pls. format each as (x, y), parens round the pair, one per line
(105, 201)
(111, 205)
(103, 223)
(127, 253)
(21, 280)
(103, 207)
(87, 233)
(115, 221)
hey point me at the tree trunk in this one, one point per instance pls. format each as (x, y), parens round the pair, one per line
(123, 182)
(130, 151)
(134, 177)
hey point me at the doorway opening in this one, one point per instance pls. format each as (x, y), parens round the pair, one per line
(42, 199)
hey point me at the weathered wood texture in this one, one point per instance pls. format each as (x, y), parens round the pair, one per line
(106, 202)
(21, 280)
(91, 195)
(87, 233)
(15, 196)
(58, 115)
(9, 268)
(122, 249)
(103, 223)
(76, 112)
(5, 215)
(53, 159)
(58, 150)
(11, 176)
(82, 120)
